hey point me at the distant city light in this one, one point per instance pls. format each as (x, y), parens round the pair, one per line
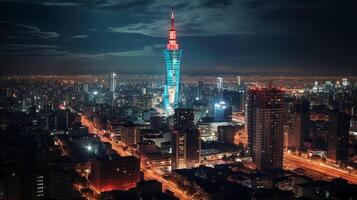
(89, 148)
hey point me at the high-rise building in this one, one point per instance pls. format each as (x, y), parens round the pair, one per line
(86, 88)
(238, 81)
(344, 82)
(299, 124)
(266, 127)
(222, 112)
(172, 56)
(235, 98)
(250, 115)
(130, 134)
(38, 182)
(186, 141)
(315, 88)
(220, 85)
(200, 91)
(337, 148)
(112, 82)
(184, 119)
(115, 173)
(226, 134)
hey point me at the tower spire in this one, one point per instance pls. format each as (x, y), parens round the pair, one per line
(172, 19)
(172, 43)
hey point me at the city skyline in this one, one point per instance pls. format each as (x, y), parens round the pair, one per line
(98, 37)
(248, 99)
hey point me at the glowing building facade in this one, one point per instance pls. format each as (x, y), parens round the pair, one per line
(172, 56)
(112, 81)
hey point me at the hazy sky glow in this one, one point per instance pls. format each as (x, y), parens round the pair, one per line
(217, 36)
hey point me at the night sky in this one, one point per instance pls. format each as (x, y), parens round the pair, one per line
(217, 36)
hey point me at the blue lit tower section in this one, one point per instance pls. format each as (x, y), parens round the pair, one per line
(172, 56)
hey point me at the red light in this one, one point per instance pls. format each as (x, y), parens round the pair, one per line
(172, 44)
(62, 107)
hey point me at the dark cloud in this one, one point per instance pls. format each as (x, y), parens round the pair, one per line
(79, 36)
(215, 3)
(14, 30)
(227, 36)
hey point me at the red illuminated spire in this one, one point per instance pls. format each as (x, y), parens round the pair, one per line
(172, 44)
(172, 20)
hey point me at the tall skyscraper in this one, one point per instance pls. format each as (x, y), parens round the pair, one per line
(219, 84)
(172, 56)
(112, 81)
(238, 81)
(200, 90)
(299, 124)
(222, 112)
(344, 82)
(266, 127)
(186, 141)
(86, 88)
(337, 148)
(235, 98)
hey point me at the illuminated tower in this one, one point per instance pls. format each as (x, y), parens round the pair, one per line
(172, 56)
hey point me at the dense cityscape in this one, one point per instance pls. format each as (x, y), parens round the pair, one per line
(174, 136)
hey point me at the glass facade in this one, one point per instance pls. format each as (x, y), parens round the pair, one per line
(172, 86)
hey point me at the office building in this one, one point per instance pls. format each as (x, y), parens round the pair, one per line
(186, 141)
(220, 87)
(130, 134)
(219, 84)
(235, 98)
(200, 91)
(338, 132)
(115, 173)
(184, 119)
(299, 125)
(344, 82)
(86, 88)
(238, 81)
(266, 127)
(222, 112)
(226, 134)
(112, 82)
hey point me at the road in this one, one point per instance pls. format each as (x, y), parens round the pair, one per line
(149, 174)
(92, 129)
(307, 164)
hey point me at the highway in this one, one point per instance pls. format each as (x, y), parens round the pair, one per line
(307, 164)
(149, 174)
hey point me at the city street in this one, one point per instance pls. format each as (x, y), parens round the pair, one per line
(149, 174)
